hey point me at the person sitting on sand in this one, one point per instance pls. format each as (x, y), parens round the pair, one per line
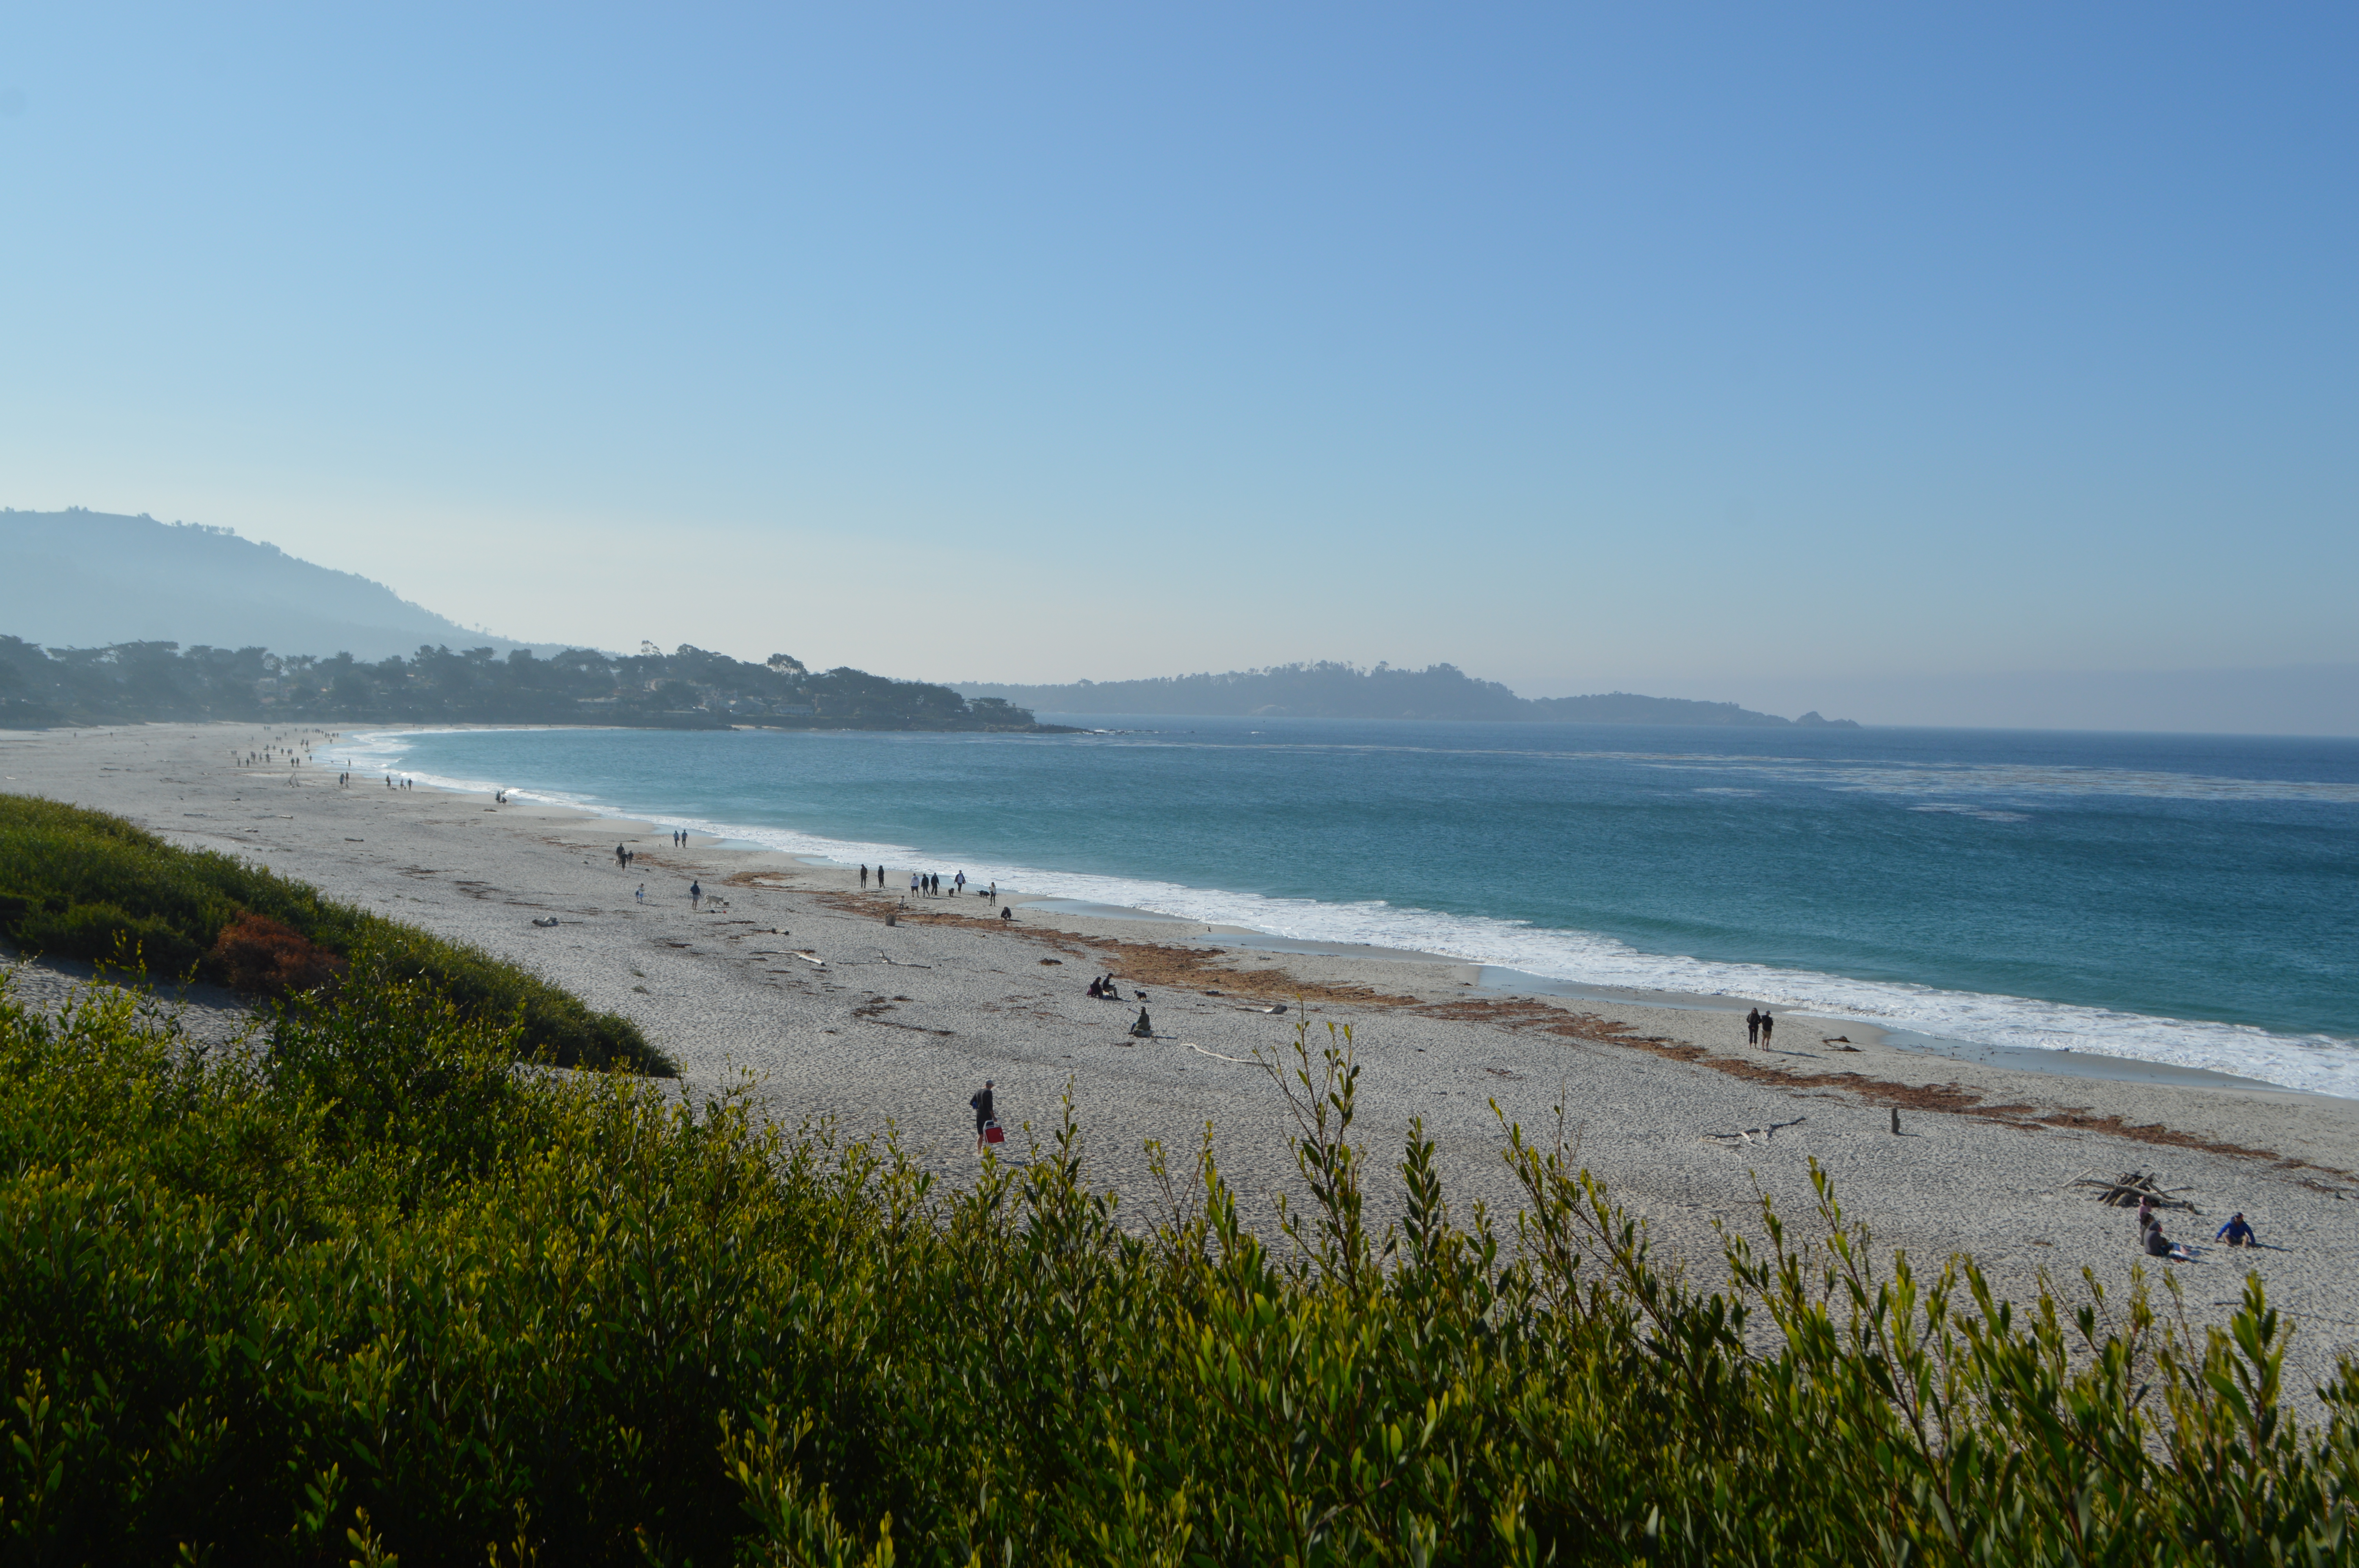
(2157, 1244)
(1005, 913)
(1141, 1029)
(2236, 1233)
(1097, 988)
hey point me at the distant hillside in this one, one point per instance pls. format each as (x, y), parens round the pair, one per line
(1345, 691)
(687, 689)
(90, 578)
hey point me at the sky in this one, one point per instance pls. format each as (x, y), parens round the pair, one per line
(1705, 351)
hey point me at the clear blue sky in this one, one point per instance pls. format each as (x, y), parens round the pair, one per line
(1671, 348)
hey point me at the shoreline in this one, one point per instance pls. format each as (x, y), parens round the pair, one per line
(2087, 1064)
(799, 992)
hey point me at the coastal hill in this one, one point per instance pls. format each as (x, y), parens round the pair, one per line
(1327, 690)
(90, 578)
(687, 689)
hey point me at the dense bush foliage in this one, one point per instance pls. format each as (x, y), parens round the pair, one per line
(689, 687)
(375, 1294)
(84, 884)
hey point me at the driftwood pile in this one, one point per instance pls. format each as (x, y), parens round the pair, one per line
(2129, 1189)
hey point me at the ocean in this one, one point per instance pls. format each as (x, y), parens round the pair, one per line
(2187, 900)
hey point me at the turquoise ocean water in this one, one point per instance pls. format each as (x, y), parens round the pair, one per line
(2187, 900)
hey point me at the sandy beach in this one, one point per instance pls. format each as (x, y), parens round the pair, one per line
(791, 977)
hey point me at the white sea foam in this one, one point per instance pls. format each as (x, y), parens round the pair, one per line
(2318, 1063)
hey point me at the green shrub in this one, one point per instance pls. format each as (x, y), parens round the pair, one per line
(377, 1291)
(71, 866)
(104, 933)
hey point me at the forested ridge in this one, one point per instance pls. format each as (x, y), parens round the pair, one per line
(690, 689)
(1332, 691)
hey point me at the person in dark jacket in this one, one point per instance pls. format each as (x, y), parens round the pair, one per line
(982, 1103)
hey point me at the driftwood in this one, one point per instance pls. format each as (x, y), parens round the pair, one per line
(1216, 1056)
(1746, 1135)
(2132, 1187)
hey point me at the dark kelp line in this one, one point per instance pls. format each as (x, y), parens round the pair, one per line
(84, 884)
(374, 1294)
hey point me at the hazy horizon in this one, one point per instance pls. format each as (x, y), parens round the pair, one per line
(1907, 366)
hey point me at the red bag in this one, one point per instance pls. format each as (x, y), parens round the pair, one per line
(993, 1134)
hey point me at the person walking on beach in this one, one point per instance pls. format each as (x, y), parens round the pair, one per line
(863, 876)
(1767, 1024)
(642, 894)
(621, 859)
(913, 885)
(1753, 1027)
(960, 883)
(982, 1103)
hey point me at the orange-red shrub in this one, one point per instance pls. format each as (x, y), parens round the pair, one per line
(257, 954)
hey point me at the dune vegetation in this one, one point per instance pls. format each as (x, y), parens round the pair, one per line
(82, 884)
(368, 1292)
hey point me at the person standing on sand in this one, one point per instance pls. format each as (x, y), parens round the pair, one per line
(913, 885)
(1753, 1027)
(695, 894)
(982, 1103)
(863, 876)
(959, 882)
(1767, 1024)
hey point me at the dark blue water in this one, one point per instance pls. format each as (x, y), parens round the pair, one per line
(2185, 899)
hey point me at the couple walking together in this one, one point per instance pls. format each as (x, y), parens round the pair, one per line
(1758, 1027)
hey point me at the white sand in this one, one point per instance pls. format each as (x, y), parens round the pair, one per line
(902, 1023)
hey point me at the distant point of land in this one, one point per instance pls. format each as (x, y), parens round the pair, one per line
(1327, 690)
